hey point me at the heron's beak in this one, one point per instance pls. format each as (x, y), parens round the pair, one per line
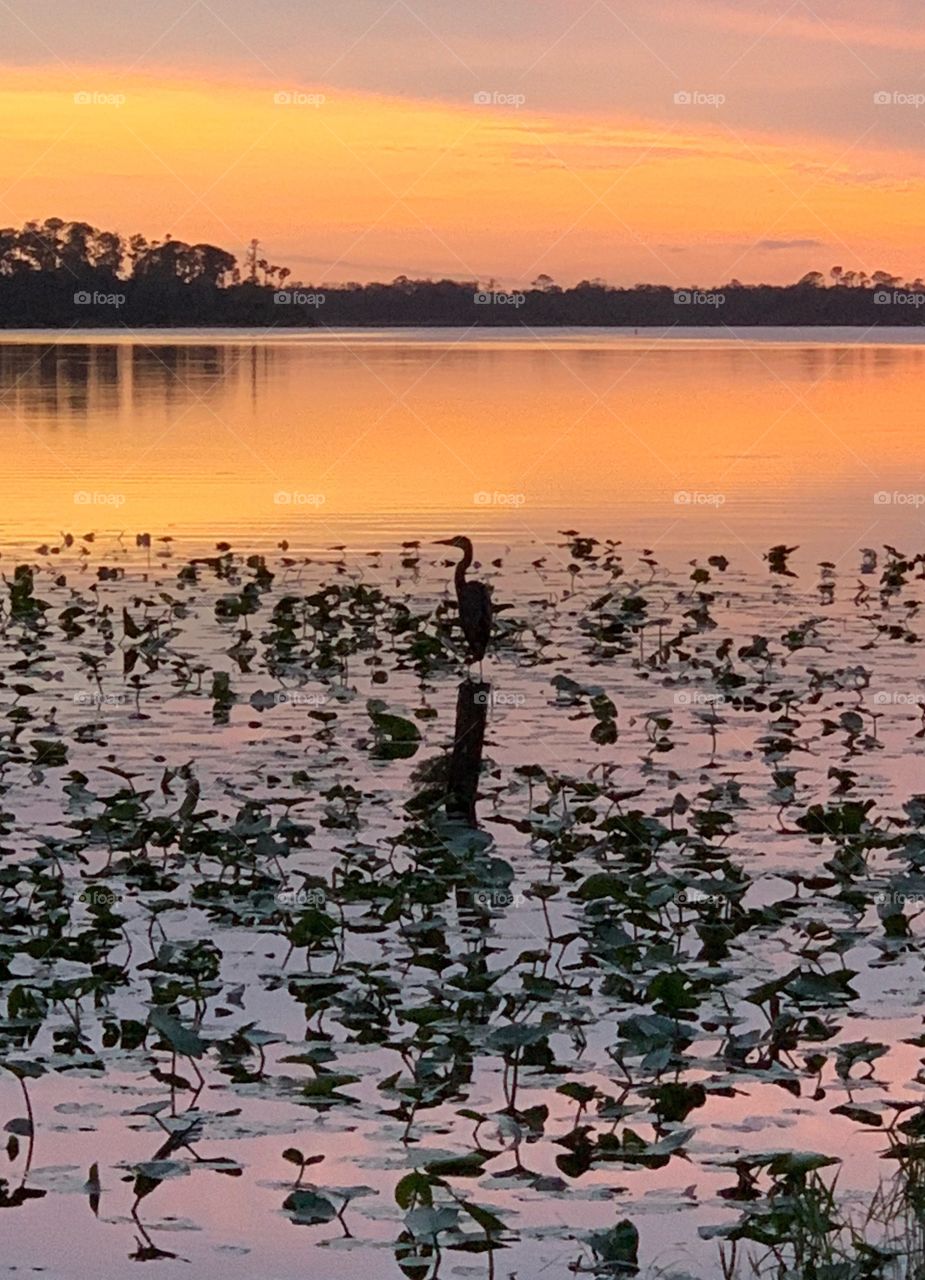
(444, 542)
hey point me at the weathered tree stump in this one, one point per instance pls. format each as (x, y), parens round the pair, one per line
(468, 740)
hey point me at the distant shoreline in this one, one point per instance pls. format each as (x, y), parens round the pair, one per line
(660, 315)
(71, 275)
(665, 330)
(827, 333)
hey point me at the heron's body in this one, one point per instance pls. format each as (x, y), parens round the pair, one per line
(474, 600)
(475, 615)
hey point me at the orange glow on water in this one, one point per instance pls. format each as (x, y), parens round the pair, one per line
(315, 437)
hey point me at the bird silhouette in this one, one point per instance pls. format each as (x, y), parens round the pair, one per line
(474, 600)
(777, 559)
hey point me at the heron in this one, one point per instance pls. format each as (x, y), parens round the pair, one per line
(474, 600)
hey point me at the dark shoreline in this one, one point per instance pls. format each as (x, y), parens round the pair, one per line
(665, 327)
(71, 275)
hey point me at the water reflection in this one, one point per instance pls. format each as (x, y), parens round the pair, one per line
(355, 436)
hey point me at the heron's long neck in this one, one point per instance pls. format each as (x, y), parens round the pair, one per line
(461, 568)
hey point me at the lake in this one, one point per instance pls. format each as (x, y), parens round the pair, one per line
(694, 442)
(264, 1011)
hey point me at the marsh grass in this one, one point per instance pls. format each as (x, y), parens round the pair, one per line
(809, 1232)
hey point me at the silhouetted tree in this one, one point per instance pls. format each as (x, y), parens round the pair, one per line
(69, 273)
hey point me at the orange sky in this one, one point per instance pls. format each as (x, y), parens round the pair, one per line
(366, 185)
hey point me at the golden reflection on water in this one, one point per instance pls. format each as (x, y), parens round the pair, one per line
(327, 437)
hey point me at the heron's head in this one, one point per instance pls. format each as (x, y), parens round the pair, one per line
(461, 543)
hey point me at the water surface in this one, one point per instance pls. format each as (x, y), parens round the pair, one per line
(677, 442)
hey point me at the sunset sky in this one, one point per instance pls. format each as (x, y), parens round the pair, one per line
(679, 141)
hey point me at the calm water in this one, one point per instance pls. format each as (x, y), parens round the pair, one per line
(370, 439)
(206, 1221)
(705, 442)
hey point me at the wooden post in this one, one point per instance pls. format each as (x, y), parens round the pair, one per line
(466, 763)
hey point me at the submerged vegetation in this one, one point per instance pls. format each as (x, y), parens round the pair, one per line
(57, 273)
(660, 1014)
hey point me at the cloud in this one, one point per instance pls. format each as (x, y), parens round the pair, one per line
(790, 244)
(367, 184)
(800, 22)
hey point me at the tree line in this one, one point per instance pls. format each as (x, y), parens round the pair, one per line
(69, 274)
